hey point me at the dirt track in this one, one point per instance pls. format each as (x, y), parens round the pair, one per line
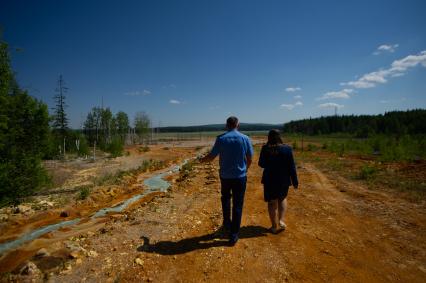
(337, 232)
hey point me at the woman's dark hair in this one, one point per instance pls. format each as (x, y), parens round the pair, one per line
(274, 137)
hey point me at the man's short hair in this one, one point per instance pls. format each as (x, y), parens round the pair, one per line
(232, 122)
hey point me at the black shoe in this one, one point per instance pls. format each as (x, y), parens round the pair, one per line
(222, 232)
(232, 241)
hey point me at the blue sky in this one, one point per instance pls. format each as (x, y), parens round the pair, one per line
(197, 62)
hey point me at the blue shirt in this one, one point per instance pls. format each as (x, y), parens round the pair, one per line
(232, 148)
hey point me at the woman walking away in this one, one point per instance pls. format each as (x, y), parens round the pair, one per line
(279, 173)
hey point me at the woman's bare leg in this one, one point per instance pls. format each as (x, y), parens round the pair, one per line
(282, 207)
(272, 209)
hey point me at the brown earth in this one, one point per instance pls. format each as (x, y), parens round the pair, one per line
(101, 196)
(337, 231)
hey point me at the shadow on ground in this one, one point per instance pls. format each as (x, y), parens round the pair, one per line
(198, 243)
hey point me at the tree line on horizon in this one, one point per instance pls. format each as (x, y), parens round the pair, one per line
(397, 123)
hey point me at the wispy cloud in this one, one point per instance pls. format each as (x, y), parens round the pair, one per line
(293, 89)
(287, 106)
(386, 48)
(397, 69)
(344, 93)
(297, 97)
(138, 93)
(291, 106)
(174, 101)
(330, 105)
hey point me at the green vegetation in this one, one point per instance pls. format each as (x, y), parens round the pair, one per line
(28, 134)
(115, 147)
(84, 193)
(399, 123)
(186, 170)
(384, 148)
(367, 172)
(143, 149)
(141, 123)
(24, 137)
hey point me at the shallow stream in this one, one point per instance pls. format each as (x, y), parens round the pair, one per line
(153, 184)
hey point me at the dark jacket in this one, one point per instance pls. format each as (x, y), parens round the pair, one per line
(278, 162)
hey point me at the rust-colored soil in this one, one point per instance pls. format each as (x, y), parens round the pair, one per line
(337, 231)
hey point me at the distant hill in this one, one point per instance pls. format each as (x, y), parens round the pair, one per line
(219, 127)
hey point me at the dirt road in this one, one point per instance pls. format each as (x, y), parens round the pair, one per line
(337, 231)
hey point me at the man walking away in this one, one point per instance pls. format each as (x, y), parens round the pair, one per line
(235, 155)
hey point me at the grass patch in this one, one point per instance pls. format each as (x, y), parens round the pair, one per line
(367, 172)
(143, 149)
(186, 171)
(83, 193)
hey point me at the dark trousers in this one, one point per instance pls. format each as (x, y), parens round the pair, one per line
(233, 189)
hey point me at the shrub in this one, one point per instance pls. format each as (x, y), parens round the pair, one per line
(311, 147)
(84, 193)
(367, 172)
(115, 147)
(143, 148)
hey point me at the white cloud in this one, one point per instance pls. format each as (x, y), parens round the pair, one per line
(344, 93)
(297, 97)
(293, 89)
(397, 69)
(330, 105)
(174, 101)
(138, 93)
(287, 106)
(386, 48)
(291, 106)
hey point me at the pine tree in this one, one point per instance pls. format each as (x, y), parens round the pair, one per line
(24, 129)
(60, 120)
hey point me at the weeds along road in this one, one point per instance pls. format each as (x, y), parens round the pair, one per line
(337, 231)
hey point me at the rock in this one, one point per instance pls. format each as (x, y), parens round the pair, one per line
(90, 234)
(103, 230)
(21, 209)
(46, 203)
(29, 269)
(75, 254)
(139, 261)
(42, 253)
(92, 254)
(78, 261)
(4, 217)
(65, 214)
